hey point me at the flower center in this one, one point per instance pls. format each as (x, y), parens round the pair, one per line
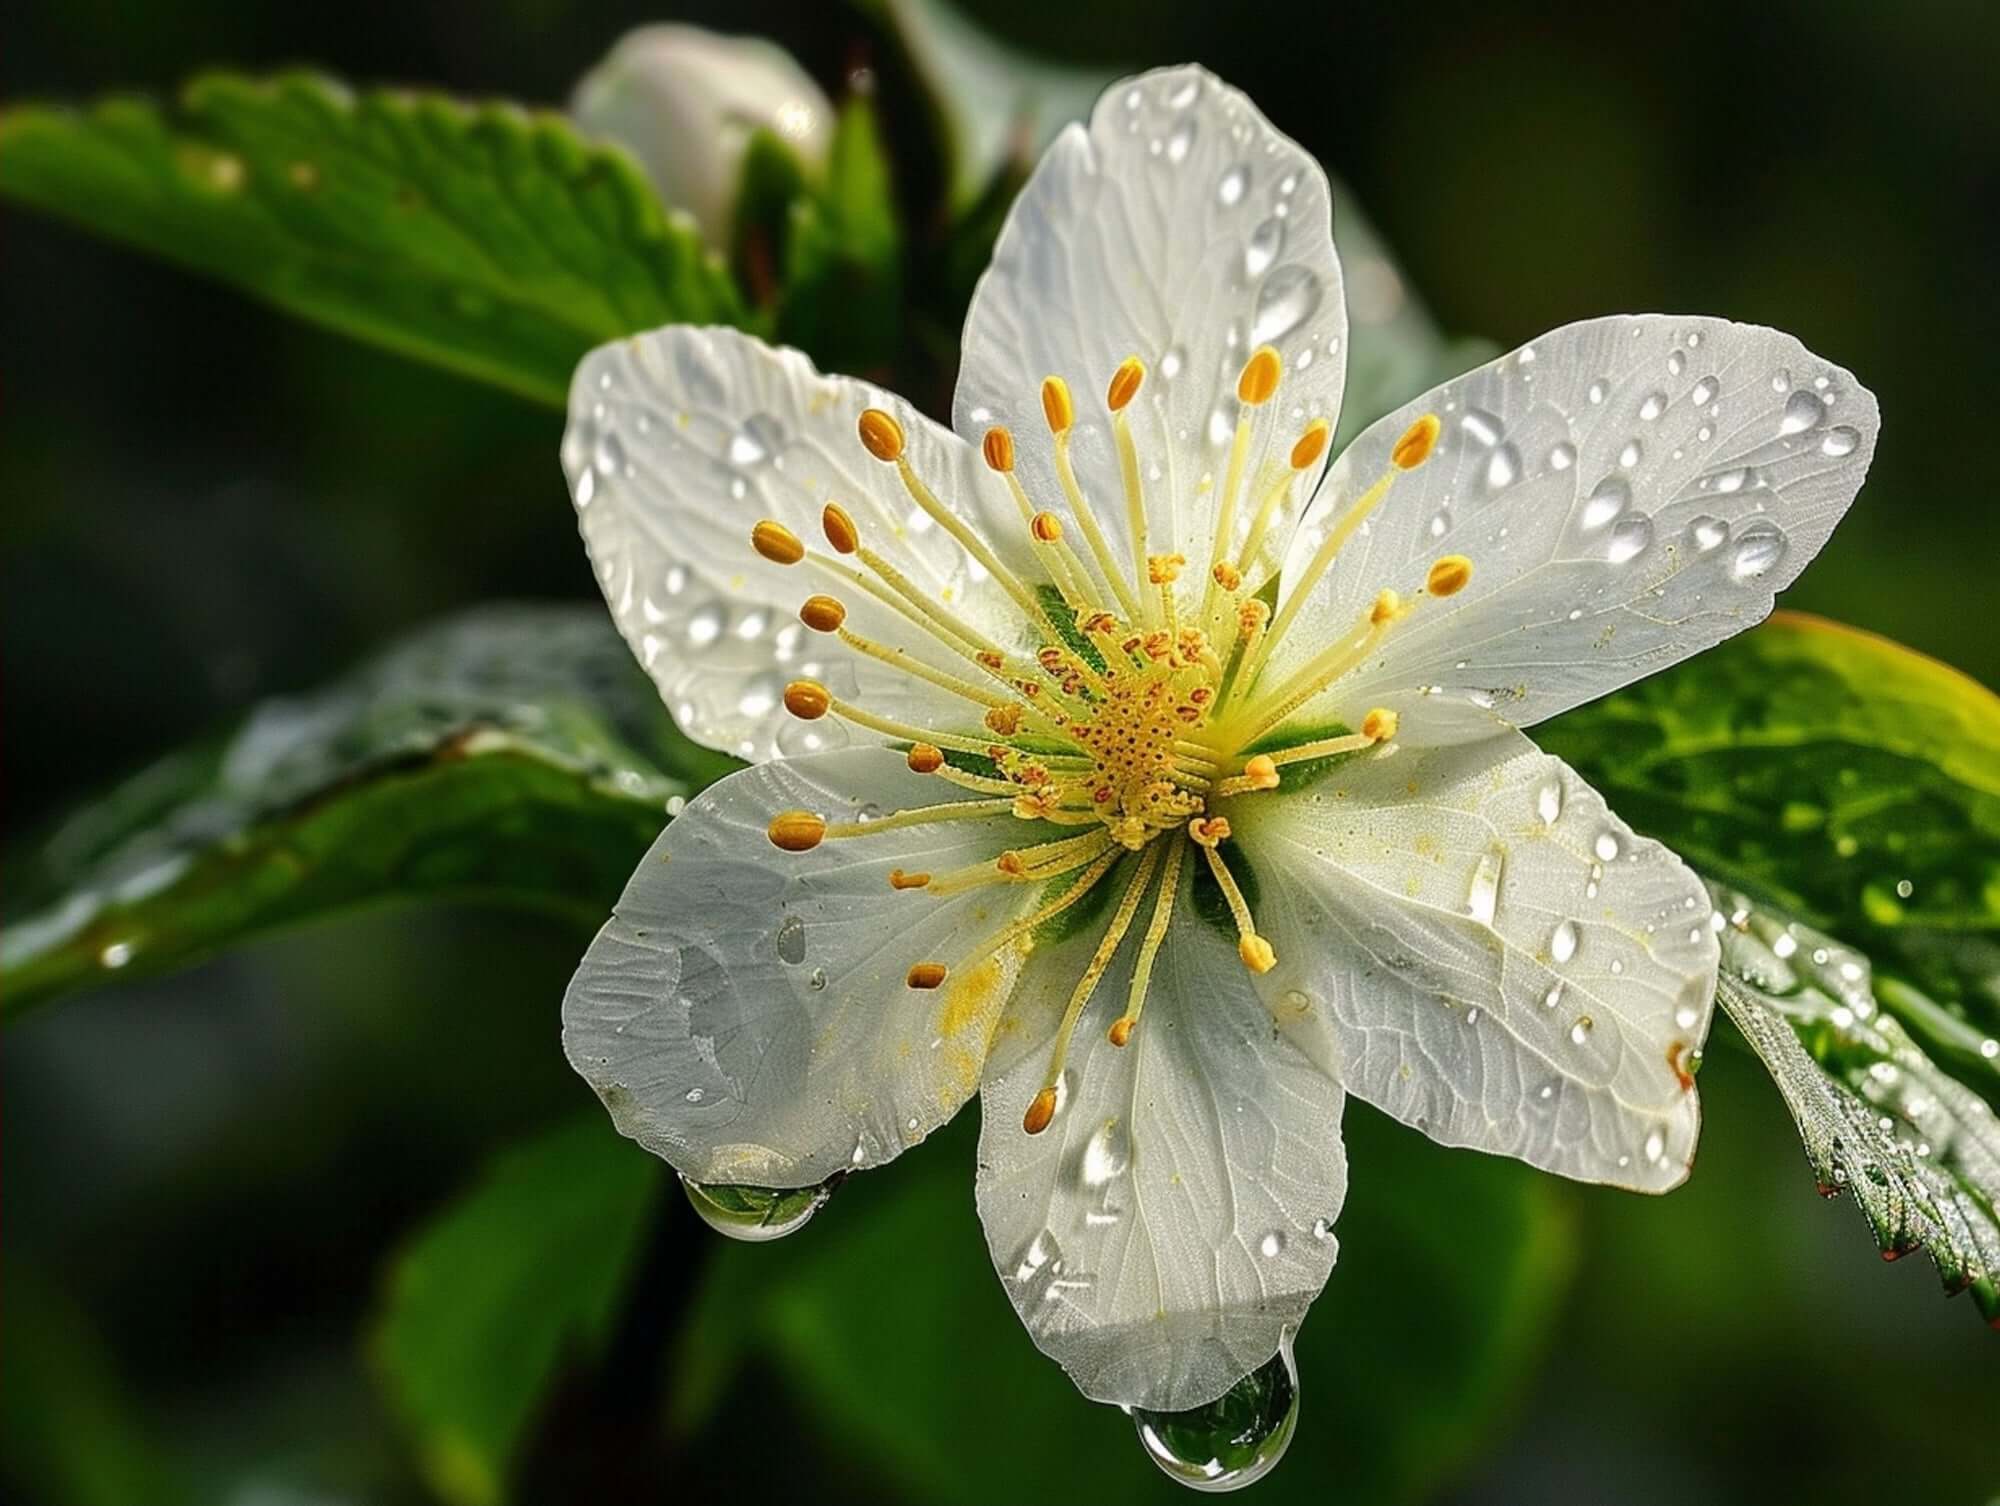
(1136, 711)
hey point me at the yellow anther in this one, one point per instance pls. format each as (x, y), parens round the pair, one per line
(1311, 445)
(1256, 953)
(1005, 720)
(1387, 608)
(1259, 381)
(926, 975)
(1120, 1031)
(1164, 569)
(1415, 447)
(1252, 615)
(1125, 383)
(807, 700)
(1227, 576)
(925, 759)
(901, 880)
(796, 831)
(1449, 575)
(998, 447)
(840, 529)
(1040, 1112)
(1056, 405)
(1047, 527)
(881, 435)
(1209, 831)
(823, 614)
(1380, 724)
(777, 543)
(1261, 772)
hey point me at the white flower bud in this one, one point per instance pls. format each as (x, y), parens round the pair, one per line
(685, 102)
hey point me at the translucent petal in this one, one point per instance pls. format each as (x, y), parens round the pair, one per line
(679, 442)
(1182, 229)
(1477, 946)
(1629, 491)
(745, 1013)
(1176, 1218)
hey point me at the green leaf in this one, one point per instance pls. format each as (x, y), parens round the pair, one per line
(524, 1272)
(886, 1319)
(1917, 1149)
(842, 298)
(493, 240)
(1847, 781)
(513, 755)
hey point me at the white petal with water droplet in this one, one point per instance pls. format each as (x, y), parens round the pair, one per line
(1161, 1283)
(679, 442)
(1590, 574)
(1440, 1012)
(1118, 247)
(745, 1012)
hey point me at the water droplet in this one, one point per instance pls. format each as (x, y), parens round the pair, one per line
(1554, 996)
(1803, 410)
(1840, 441)
(1503, 466)
(1904, 888)
(704, 624)
(1185, 94)
(1262, 249)
(1708, 533)
(585, 487)
(1549, 803)
(1562, 457)
(1235, 183)
(1629, 537)
(1107, 1155)
(1172, 362)
(1758, 548)
(1656, 1144)
(1630, 455)
(756, 1214)
(1605, 502)
(1322, 1229)
(610, 454)
(1236, 1439)
(1286, 301)
(1483, 897)
(116, 954)
(1606, 846)
(1731, 481)
(1481, 427)
(1181, 142)
(1272, 1245)
(1562, 941)
(1580, 1028)
(791, 940)
(1651, 406)
(1703, 392)
(1598, 391)
(1676, 363)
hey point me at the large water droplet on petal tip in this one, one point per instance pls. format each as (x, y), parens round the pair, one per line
(1235, 1440)
(756, 1214)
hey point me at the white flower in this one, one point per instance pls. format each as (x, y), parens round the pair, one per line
(685, 102)
(1125, 769)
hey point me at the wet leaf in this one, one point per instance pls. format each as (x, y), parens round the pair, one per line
(491, 239)
(887, 1321)
(514, 755)
(1917, 1150)
(525, 1272)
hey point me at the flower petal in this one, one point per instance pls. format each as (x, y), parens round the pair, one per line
(1478, 947)
(1175, 1219)
(679, 443)
(745, 1013)
(1180, 228)
(1628, 491)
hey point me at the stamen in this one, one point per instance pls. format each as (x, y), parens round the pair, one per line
(901, 880)
(1060, 410)
(926, 975)
(1311, 445)
(923, 815)
(1319, 672)
(1258, 382)
(1124, 387)
(1255, 386)
(1125, 384)
(1415, 447)
(808, 700)
(998, 448)
(796, 831)
(925, 758)
(882, 435)
(1449, 575)
(1007, 935)
(1380, 724)
(823, 614)
(1260, 773)
(777, 543)
(840, 529)
(1079, 998)
(1150, 944)
(1255, 951)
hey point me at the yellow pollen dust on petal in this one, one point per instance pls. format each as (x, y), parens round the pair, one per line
(823, 614)
(1258, 383)
(1415, 447)
(1057, 407)
(1380, 724)
(1125, 383)
(1449, 575)
(926, 975)
(925, 758)
(881, 435)
(1311, 445)
(777, 543)
(998, 448)
(796, 831)
(807, 700)
(840, 529)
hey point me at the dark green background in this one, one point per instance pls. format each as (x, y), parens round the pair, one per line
(206, 503)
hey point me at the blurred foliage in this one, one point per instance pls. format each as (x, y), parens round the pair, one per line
(214, 1165)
